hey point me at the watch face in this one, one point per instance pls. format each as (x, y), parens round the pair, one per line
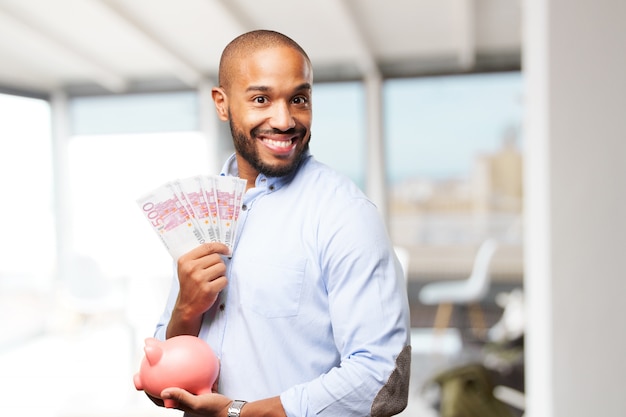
(235, 408)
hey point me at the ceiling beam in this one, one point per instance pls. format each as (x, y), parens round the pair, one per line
(366, 61)
(184, 70)
(102, 74)
(30, 93)
(242, 19)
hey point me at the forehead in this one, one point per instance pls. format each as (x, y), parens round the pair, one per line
(273, 67)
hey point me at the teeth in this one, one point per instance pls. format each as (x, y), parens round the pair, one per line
(278, 143)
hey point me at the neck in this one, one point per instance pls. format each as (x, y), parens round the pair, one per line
(246, 171)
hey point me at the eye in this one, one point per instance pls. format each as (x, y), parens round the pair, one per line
(260, 100)
(300, 100)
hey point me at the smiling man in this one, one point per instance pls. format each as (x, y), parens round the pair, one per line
(309, 314)
(265, 94)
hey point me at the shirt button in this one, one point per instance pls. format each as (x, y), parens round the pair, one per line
(244, 207)
(272, 187)
(222, 307)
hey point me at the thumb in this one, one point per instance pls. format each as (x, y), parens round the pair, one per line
(176, 398)
(206, 404)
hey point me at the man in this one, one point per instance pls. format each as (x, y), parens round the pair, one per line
(309, 314)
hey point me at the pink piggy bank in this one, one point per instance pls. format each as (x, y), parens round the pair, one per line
(185, 362)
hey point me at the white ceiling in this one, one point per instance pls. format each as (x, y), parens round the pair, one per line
(95, 46)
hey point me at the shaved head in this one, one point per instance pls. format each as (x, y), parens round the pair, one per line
(245, 45)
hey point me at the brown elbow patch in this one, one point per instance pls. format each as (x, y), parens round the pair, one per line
(393, 396)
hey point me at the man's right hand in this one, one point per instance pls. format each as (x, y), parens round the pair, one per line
(201, 275)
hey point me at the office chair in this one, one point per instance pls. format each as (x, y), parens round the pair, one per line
(463, 292)
(403, 257)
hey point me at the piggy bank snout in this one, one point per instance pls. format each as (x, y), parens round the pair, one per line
(137, 382)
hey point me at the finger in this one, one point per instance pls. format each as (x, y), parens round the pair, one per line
(177, 398)
(203, 270)
(203, 256)
(209, 248)
(205, 404)
(218, 284)
(210, 263)
(213, 262)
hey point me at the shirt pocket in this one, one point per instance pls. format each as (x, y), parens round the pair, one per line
(269, 289)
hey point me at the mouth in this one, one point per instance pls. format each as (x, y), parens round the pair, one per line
(280, 146)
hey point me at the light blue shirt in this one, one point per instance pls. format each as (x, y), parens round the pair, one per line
(315, 309)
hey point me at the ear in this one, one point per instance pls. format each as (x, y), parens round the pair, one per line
(221, 102)
(153, 354)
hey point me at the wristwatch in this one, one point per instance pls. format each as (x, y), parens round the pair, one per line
(235, 408)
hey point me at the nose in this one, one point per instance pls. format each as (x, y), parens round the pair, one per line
(281, 118)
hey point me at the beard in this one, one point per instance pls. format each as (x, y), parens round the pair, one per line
(245, 146)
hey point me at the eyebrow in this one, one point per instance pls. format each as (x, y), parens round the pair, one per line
(264, 89)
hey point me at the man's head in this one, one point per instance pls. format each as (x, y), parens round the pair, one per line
(265, 94)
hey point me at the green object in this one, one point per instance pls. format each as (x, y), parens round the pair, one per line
(467, 391)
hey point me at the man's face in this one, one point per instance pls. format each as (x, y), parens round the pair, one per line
(269, 111)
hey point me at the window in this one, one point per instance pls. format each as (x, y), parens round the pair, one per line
(338, 133)
(107, 174)
(125, 146)
(454, 158)
(27, 186)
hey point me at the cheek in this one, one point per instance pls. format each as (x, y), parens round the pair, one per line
(305, 119)
(242, 124)
(250, 121)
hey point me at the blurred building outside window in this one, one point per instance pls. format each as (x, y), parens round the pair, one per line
(454, 158)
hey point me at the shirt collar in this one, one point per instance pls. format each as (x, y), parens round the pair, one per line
(230, 168)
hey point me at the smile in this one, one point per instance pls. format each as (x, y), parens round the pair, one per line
(280, 147)
(284, 144)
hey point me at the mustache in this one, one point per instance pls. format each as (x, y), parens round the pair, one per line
(294, 130)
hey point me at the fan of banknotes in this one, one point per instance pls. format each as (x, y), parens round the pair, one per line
(190, 211)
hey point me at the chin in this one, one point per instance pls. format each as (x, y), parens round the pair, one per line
(279, 167)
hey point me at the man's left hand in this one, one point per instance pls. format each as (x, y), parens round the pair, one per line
(209, 405)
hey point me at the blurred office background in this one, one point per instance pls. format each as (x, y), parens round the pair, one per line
(466, 121)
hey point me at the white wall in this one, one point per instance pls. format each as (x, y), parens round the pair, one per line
(575, 69)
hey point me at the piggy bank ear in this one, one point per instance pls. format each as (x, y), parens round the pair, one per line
(153, 354)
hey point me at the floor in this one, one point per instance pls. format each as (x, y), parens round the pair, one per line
(70, 367)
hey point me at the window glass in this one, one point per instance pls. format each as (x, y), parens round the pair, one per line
(26, 184)
(338, 132)
(134, 113)
(107, 174)
(454, 159)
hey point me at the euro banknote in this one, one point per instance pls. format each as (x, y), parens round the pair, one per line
(187, 212)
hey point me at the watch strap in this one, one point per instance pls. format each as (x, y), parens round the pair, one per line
(234, 409)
